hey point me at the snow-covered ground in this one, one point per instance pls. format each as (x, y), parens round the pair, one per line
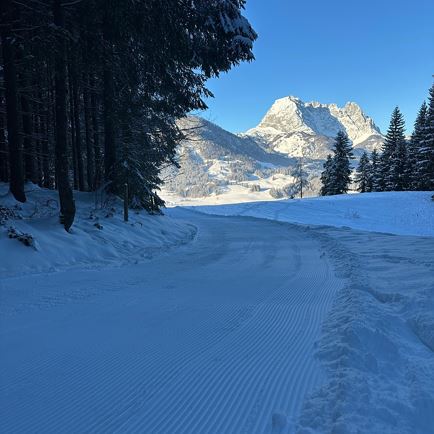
(404, 213)
(281, 317)
(98, 237)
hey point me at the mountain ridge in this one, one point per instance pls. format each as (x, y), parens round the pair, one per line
(297, 128)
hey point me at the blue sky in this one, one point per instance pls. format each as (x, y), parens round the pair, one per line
(377, 53)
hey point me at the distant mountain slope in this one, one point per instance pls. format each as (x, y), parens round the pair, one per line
(214, 160)
(297, 128)
(212, 141)
(261, 163)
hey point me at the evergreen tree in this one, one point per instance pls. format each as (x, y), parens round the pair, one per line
(364, 174)
(398, 177)
(326, 176)
(414, 147)
(426, 153)
(341, 169)
(375, 168)
(394, 150)
(301, 179)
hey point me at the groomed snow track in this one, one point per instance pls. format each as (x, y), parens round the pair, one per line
(217, 336)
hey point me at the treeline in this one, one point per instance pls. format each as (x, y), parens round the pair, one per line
(400, 165)
(91, 90)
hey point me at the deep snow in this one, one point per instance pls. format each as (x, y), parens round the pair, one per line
(194, 323)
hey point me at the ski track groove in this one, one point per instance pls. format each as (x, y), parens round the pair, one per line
(170, 424)
(257, 360)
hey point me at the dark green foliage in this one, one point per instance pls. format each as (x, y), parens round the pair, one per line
(425, 169)
(364, 174)
(414, 148)
(393, 155)
(326, 177)
(336, 177)
(375, 169)
(106, 84)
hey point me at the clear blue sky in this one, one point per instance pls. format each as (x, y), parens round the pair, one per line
(377, 53)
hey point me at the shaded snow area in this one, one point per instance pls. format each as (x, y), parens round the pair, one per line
(282, 317)
(403, 213)
(215, 337)
(99, 235)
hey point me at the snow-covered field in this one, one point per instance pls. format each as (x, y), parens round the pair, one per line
(280, 317)
(403, 213)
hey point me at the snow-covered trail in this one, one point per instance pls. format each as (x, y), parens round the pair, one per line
(216, 336)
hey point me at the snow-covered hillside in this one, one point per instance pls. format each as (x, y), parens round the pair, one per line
(298, 128)
(214, 162)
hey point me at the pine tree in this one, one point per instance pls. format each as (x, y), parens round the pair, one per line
(392, 167)
(399, 174)
(301, 178)
(414, 147)
(326, 176)
(341, 169)
(426, 152)
(375, 168)
(363, 174)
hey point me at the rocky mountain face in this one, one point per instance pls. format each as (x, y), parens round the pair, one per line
(263, 162)
(298, 128)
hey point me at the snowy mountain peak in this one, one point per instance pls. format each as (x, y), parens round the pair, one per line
(295, 127)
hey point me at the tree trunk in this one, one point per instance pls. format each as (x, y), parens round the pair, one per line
(88, 133)
(4, 169)
(95, 128)
(11, 95)
(77, 127)
(108, 99)
(72, 129)
(45, 145)
(29, 147)
(67, 205)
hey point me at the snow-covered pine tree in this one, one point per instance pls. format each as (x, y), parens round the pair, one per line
(363, 174)
(375, 168)
(326, 176)
(426, 152)
(341, 169)
(393, 148)
(413, 149)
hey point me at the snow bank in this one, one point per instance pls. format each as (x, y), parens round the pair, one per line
(377, 343)
(403, 213)
(99, 235)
